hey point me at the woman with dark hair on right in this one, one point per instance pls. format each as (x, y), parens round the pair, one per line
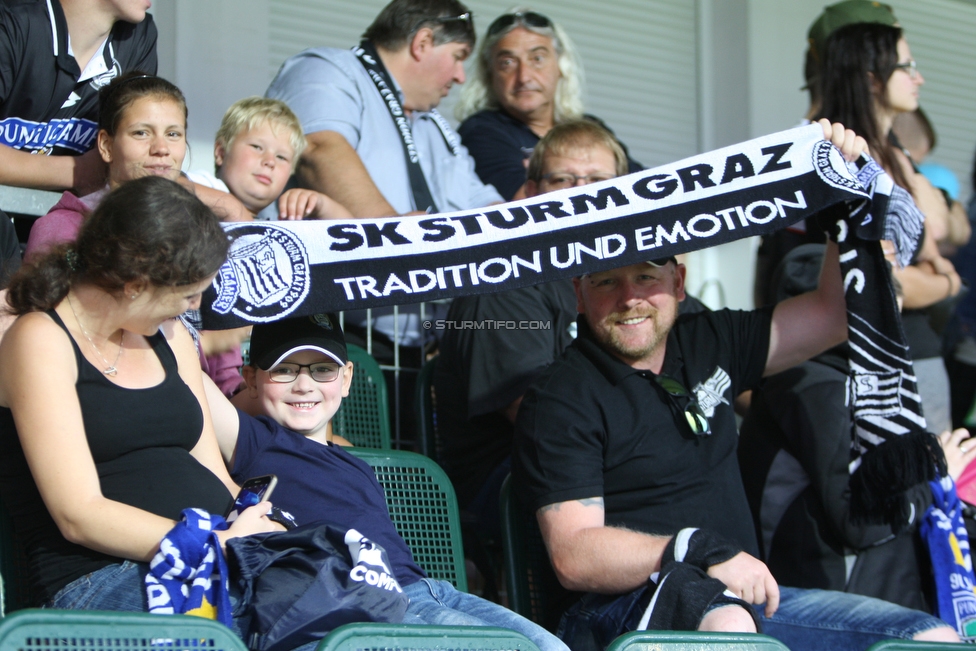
(867, 77)
(105, 434)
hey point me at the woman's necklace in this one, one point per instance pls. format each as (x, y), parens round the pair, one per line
(110, 370)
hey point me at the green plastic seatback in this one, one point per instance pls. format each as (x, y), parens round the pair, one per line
(80, 630)
(693, 641)
(424, 510)
(398, 637)
(424, 407)
(533, 589)
(364, 416)
(909, 645)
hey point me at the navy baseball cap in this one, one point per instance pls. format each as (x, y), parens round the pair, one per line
(273, 342)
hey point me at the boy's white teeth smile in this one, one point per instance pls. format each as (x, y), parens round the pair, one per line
(303, 405)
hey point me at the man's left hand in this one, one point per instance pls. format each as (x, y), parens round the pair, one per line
(749, 579)
(850, 144)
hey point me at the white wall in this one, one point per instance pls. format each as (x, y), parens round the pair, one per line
(216, 52)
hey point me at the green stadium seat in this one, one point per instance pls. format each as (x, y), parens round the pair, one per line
(398, 637)
(81, 630)
(364, 417)
(425, 410)
(533, 589)
(424, 510)
(693, 641)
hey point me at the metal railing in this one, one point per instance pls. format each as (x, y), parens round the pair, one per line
(404, 364)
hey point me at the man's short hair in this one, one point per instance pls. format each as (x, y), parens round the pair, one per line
(478, 94)
(246, 114)
(572, 135)
(397, 23)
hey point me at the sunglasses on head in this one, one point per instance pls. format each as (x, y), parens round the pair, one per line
(530, 18)
(463, 18)
(694, 415)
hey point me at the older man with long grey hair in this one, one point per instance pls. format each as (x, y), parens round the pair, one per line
(528, 77)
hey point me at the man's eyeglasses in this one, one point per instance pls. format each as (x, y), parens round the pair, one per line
(288, 372)
(687, 403)
(565, 179)
(530, 18)
(911, 67)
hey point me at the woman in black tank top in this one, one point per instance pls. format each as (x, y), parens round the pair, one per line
(104, 433)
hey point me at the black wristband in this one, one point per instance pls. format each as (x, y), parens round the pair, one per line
(683, 595)
(699, 547)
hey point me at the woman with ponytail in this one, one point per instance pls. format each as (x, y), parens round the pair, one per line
(105, 434)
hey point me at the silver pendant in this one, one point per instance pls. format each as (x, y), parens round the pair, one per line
(111, 371)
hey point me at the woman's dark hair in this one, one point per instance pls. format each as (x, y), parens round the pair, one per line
(858, 61)
(398, 21)
(148, 230)
(115, 98)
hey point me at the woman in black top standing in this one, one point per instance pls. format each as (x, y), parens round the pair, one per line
(868, 76)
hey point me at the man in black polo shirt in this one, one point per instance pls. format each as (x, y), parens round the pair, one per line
(626, 450)
(54, 56)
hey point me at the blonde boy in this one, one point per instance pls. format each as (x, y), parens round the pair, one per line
(256, 150)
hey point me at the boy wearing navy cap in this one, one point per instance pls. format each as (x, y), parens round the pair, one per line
(298, 375)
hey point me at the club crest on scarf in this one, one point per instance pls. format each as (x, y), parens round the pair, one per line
(827, 160)
(266, 275)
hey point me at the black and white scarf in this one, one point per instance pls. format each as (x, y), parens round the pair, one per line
(279, 269)
(882, 387)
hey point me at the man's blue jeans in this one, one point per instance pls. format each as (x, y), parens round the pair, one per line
(439, 602)
(806, 619)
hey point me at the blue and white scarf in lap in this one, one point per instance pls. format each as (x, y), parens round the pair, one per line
(189, 573)
(280, 269)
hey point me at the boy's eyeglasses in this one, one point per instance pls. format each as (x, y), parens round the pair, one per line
(687, 403)
(288, 372)
(530, 18)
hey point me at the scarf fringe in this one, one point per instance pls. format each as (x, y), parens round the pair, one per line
(878, 485)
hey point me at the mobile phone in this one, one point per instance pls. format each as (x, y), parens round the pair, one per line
(254, 490)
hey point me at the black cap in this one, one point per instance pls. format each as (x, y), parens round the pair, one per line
(273, 342)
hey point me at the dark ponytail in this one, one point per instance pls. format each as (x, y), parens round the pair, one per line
(42, 284)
